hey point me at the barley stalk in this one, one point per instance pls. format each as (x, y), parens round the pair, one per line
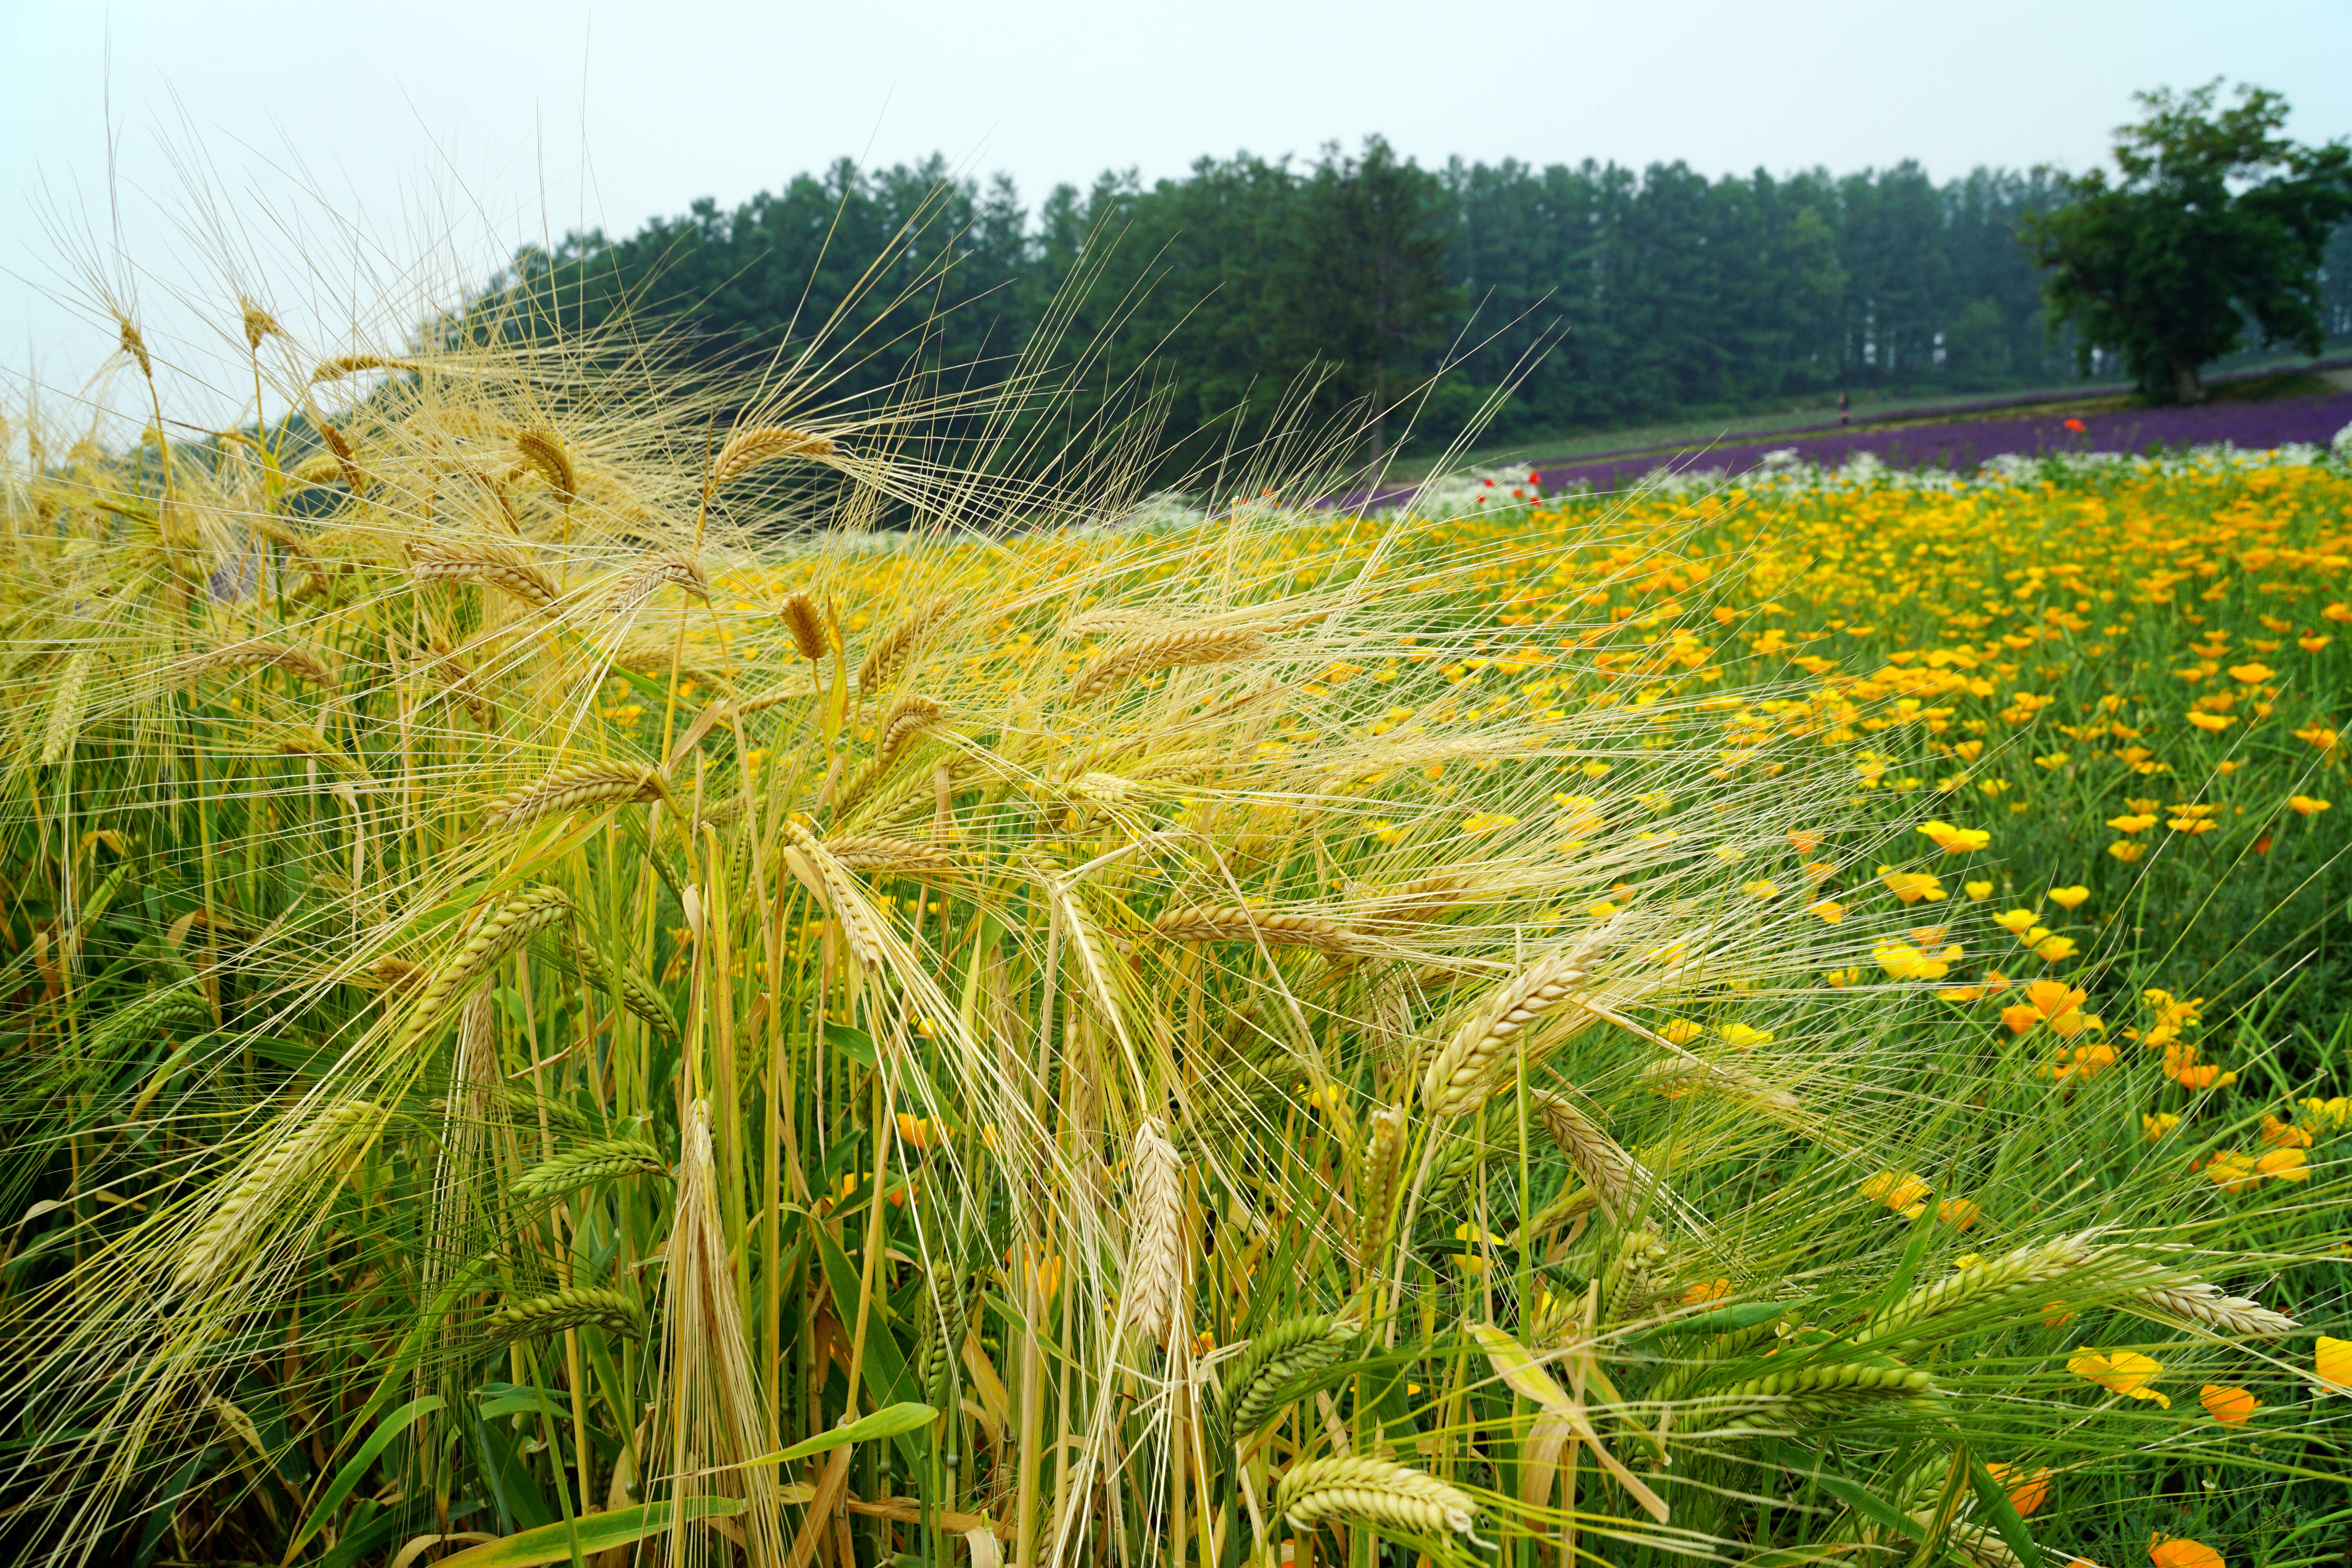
(878, 852)
(1169, 651)
(578, 787)
(1377, 1170)
(907, 718)
(2024, 1267)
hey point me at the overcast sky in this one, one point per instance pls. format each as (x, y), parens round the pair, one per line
(396, 148)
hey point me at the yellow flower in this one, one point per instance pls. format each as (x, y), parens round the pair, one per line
(1904, 1192)
(2228, 1406)
(1904, 962)
(1681, 1031)
(1760, 889)
(1958, 1212)
(2125, 850)
(2211, 723)
(2136, 822)
(1706, 1290)
(1744, 1037)
(2054, 948)
(2014, 921)
(1829, 910)
(1485, 822)
(2306, 805)
(2158, 1125)
(2318, 735)
(2192, 826)
(2126, 1373)
(2313, 643)
(2069, 898)
(2333, 1361)
(917, 1131)
(2232, 1172)
(2251, 674)
(1388, 833)
(1911, 886)
(2284, 1166)
(1954, 840)
(1976, 889)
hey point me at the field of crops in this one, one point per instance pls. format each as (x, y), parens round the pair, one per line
(547, 1021)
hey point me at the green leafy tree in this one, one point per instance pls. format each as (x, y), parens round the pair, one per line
(1364, 285)
(2214, 220)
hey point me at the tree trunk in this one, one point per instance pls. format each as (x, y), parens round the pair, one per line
(2185, 386)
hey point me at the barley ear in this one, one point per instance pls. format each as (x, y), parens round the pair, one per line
(1155, 1263)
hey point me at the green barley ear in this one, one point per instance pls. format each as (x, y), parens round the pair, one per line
(637, 994)
(1279, 1366)
(582, 1307)
(586, 1165)
(1407, 1504)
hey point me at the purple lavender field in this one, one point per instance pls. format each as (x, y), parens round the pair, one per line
(1962, 444)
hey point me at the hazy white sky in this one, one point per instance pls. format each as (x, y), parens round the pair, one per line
(406, 144)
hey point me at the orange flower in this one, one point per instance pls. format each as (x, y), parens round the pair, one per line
(2028, 1489)
(2251, 674)
(2306, 805)
(2019, 1017)
(2056, 1315)
(1706, 1290)
(2052, 998)
(2211, 723)
(2174, 1552)
(1957, 1213)
(2230, 1406)
(917, 1131)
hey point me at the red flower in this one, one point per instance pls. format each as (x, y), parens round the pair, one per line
(2076, 425)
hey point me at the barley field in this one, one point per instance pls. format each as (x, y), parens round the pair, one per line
(607, 972)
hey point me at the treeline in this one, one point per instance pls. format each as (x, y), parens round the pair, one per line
(1593, 295)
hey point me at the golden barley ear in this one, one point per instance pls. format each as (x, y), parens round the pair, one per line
(578, 787)
(1170, 650)
(135, 345)
(1275, 928)
(798, 613)
(747, 449)
(342, 365)
(494, 564)
(649, 576)
(1155, 1268)
(259, 323)
(891, 653)
(544, 449)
